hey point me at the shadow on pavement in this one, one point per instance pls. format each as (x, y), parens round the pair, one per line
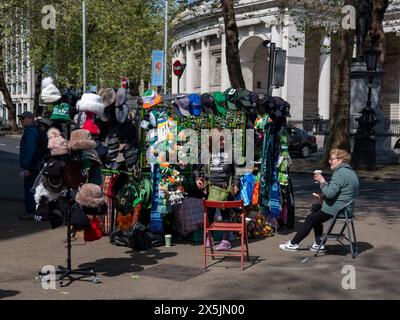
(113, 267)
(8, 293)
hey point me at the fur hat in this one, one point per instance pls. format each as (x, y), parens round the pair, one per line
(108, 96)
(81, 140)
(57, 146)
(91, 102)
(50, 92)
(89, 195)
(53, 133)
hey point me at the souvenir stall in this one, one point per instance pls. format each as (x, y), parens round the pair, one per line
(125, 184)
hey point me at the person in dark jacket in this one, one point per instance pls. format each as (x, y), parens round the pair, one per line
(29, 158)
(218, 171)
(342, 188)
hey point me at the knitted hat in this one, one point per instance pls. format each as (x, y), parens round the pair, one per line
(90, 126)
(150, 98)
(220, 102)
(207, 103)
(57, 146)
(61, 113)
(89, 195)
(93, 103)
(81, 140)
(107, 96)
(50, 92)
(195, 104)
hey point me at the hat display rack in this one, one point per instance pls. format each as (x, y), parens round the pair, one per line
(241, 109)
(51, 95)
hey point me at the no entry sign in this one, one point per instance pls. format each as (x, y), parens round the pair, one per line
(178, 68)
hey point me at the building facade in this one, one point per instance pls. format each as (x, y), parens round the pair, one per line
(200, 43)
(19, 76)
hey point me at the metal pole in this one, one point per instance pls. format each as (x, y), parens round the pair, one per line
(84, 44)
(165, 46)
(270, 67)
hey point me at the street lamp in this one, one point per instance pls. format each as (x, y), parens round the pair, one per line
(165, 46)
(83, 46)
(364, 144)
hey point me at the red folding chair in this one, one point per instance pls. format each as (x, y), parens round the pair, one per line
(225, 227)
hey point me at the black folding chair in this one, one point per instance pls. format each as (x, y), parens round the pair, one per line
(342, 216)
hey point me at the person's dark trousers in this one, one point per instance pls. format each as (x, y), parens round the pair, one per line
(30, 205)
(313, 221)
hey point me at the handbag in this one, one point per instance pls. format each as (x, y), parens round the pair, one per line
(216, 193)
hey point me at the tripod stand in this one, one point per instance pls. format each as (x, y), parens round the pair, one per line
(68, 272)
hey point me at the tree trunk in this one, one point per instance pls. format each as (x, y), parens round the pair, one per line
(38, 87)
(378, 12)
(339, 123)
(232, 45)
(6, 94)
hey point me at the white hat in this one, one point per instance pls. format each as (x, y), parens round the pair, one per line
(91, 102)
(50, 92)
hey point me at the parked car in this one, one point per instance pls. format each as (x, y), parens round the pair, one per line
(301, 142)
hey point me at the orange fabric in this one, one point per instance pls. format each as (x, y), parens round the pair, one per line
(156, 101)
(129, 220)
(256, 193)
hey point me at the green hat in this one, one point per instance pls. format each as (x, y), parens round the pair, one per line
(220, 102)
(61, 113)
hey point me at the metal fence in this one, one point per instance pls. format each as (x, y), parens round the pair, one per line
(321, 127)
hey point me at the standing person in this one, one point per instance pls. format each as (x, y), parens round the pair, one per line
(221, 174)
(342, 188)
(29, 159)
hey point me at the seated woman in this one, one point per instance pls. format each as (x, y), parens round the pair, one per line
(342, 188)
(221, 174)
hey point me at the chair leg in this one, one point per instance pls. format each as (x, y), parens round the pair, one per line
(247, 245)
(354, 236)
(204, 247)
(242, 249)
(350, 240)
(323, 240)
(211, 244)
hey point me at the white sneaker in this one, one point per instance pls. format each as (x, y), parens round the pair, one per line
(288, 246)
(315, 246)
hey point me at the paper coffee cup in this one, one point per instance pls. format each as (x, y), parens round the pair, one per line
(168, 240)
(317, 171)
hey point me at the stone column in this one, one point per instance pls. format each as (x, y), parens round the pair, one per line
(293, 91)
(225, 82)
(324, 84)
(205, 65)
(174, 78)
(190, 61)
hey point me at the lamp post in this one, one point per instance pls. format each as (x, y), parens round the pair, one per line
(83, 46)
(165, 46)
(364, 154)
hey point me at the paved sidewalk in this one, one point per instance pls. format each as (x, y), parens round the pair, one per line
(175, 273)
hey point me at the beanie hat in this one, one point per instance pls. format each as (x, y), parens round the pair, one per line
(81, 140)
(89, 195)
(61, 113)
(90, 126)
(57, 146)
(91, 102)
(50, 92)
(107, 96)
